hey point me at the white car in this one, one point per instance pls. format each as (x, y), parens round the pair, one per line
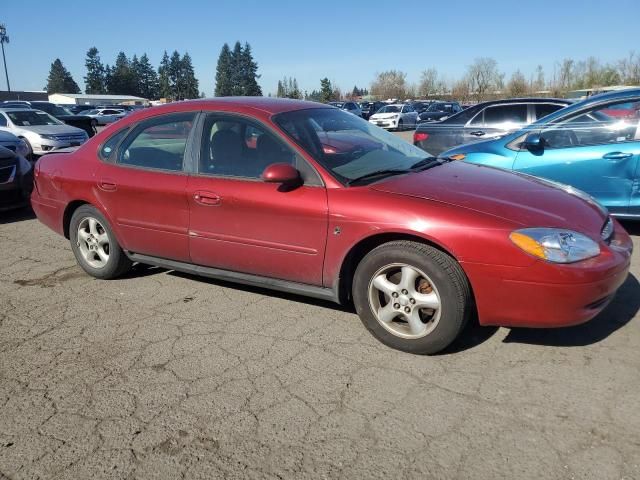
(104, 116)
(397, 116)
(41, 132)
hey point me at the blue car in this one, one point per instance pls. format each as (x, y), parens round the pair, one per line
(593, 145)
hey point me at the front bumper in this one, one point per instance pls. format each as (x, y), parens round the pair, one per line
(44, 146)
(385, 123)
(550, 295)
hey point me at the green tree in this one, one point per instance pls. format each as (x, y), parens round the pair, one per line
(95, 80)
(60, 80)
(249, 68)
(326, 91)
(190, 82)
(164, 85)
(224, 85)
(176, 80)
(122, 80)
(147, 78)
(237, 70)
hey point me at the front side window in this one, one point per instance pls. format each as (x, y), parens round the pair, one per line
(159, 143)
(506, 115)
(347, 146)
(236, 147)
(606, 124)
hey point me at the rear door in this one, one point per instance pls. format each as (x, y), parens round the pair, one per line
(143, 185)
(496, 121)
(591, 151)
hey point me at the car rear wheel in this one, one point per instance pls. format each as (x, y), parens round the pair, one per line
(95, 246)
(411, 296)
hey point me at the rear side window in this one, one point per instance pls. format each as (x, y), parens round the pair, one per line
(112, 142)
(159, 143)
(544, 109)
(500, 114)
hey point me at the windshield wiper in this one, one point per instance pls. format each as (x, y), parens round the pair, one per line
(377, 173)
(428, 162)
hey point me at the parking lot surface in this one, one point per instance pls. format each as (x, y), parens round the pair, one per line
(165, 375)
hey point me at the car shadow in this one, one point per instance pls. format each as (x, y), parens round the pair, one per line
(265, 291)
(618, 313)
(632, 228)
(18, 215)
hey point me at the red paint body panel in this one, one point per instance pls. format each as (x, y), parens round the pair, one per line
(304, 234)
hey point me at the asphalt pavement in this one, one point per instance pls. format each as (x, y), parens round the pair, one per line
(165, 375)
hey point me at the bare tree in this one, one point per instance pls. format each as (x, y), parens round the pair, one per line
(629, 69)
(461, 90)
(430, 83)
(517, 86)
(538, 84)
(389, 84)
(483, 76)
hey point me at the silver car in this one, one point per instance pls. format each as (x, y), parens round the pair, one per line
(104, 116)
(41, 132)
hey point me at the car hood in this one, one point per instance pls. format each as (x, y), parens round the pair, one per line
(515, 197)
(52, 129)
(382, 116)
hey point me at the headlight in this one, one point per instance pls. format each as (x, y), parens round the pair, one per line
(22, 148)
(47, 137)
(555, 245)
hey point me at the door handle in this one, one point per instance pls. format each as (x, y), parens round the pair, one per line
(207, 199)
(477, 133)
(617, 155)
(107, 185)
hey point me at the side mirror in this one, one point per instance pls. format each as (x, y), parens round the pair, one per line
(280, 173)
(533, 141)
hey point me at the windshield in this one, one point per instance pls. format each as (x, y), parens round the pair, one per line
(390, 109)
(26, 118)
(346, 145)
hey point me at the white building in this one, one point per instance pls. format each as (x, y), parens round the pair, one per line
(97, 99)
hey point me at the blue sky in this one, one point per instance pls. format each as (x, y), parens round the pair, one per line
(347, 41)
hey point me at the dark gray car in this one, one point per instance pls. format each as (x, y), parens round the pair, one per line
(483, 121)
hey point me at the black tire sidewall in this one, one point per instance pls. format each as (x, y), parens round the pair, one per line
(118, 262)
(452, 317)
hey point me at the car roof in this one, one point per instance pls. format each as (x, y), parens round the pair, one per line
(18, 109)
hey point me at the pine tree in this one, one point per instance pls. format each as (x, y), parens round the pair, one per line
(134, 69)
(164, 86)
(326, 90)
(281, 93)
(176, 80)
(122, 79)
(250, 75)
(237, 70)
(223, 73)
(60, 80)
(95, 80)
(190, 81)
(147, 78)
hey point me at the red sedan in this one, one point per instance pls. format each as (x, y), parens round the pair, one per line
(245, 189)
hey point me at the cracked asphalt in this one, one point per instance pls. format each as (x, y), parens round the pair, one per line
(164, 375)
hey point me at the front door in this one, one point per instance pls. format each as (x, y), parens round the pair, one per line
(143, 186)
(240, 223)
(591, 151)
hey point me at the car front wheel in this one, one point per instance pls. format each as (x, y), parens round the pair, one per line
(95, 246)
(411, 296)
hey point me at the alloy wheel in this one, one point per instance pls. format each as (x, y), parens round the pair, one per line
(93, 242)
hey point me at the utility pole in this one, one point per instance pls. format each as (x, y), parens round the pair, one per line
(4, 39)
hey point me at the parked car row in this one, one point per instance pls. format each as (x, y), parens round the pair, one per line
(61, 113)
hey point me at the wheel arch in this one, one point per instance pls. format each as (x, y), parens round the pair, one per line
(358, 251)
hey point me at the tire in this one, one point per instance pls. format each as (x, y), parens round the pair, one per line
(99, 254)
(428, 328)
(30, 156)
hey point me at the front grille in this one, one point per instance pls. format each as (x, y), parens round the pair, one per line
(607, 230)
(70, 138)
